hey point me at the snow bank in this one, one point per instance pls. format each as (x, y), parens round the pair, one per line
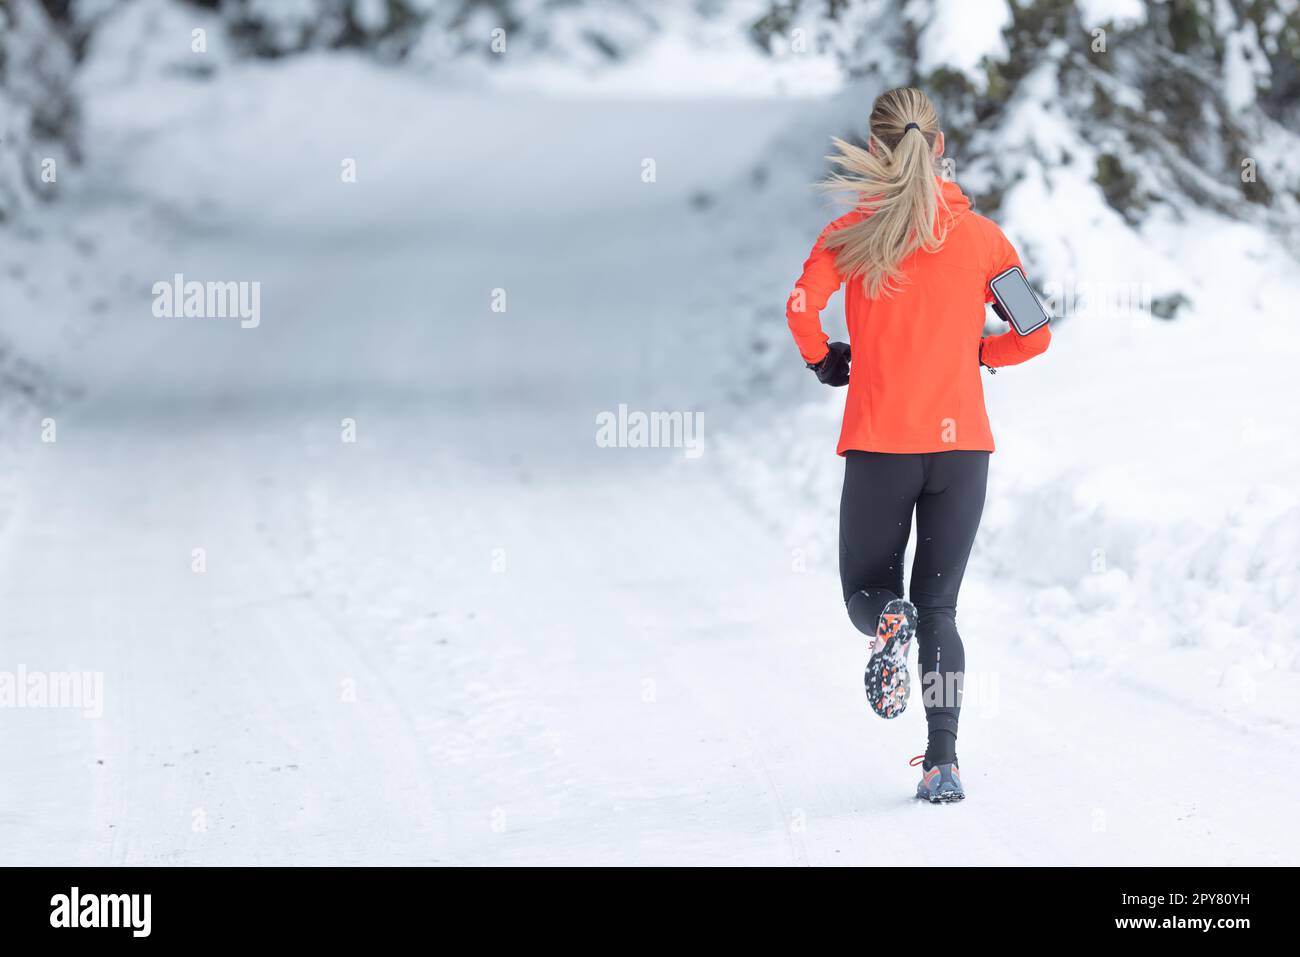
(39, 130)
(38, 115)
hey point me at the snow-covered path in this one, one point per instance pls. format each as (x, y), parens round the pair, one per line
(474, 637)
(641, 679)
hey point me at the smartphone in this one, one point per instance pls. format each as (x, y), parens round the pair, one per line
(1020, 305)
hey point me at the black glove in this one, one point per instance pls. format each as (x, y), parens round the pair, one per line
(834, 367)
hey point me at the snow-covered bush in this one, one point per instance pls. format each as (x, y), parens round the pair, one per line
(39, 116)
(1195, 99)
(273, 28)
(442, 31)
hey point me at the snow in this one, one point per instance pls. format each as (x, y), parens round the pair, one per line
(475, 636)
(959, 35)
(658, 50)
(1119, 13)
(36, 111)
(680, 66)
(1245, 66)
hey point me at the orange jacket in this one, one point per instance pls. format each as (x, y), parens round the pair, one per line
(915, 381)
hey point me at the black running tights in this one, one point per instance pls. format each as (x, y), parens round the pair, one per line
(946, 491)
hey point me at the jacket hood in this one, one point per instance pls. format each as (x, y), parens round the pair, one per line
(959, 203)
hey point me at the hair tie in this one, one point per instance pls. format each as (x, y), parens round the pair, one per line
(911, 126)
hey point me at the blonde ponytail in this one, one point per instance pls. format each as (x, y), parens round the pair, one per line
(895, 183)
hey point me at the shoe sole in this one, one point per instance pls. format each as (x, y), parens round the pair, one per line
(947, 798)
(887, 682)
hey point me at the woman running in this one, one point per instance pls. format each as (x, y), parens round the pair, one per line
(917, 262)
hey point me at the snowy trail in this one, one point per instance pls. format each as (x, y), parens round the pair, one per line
(645, 681)
(473, 637)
